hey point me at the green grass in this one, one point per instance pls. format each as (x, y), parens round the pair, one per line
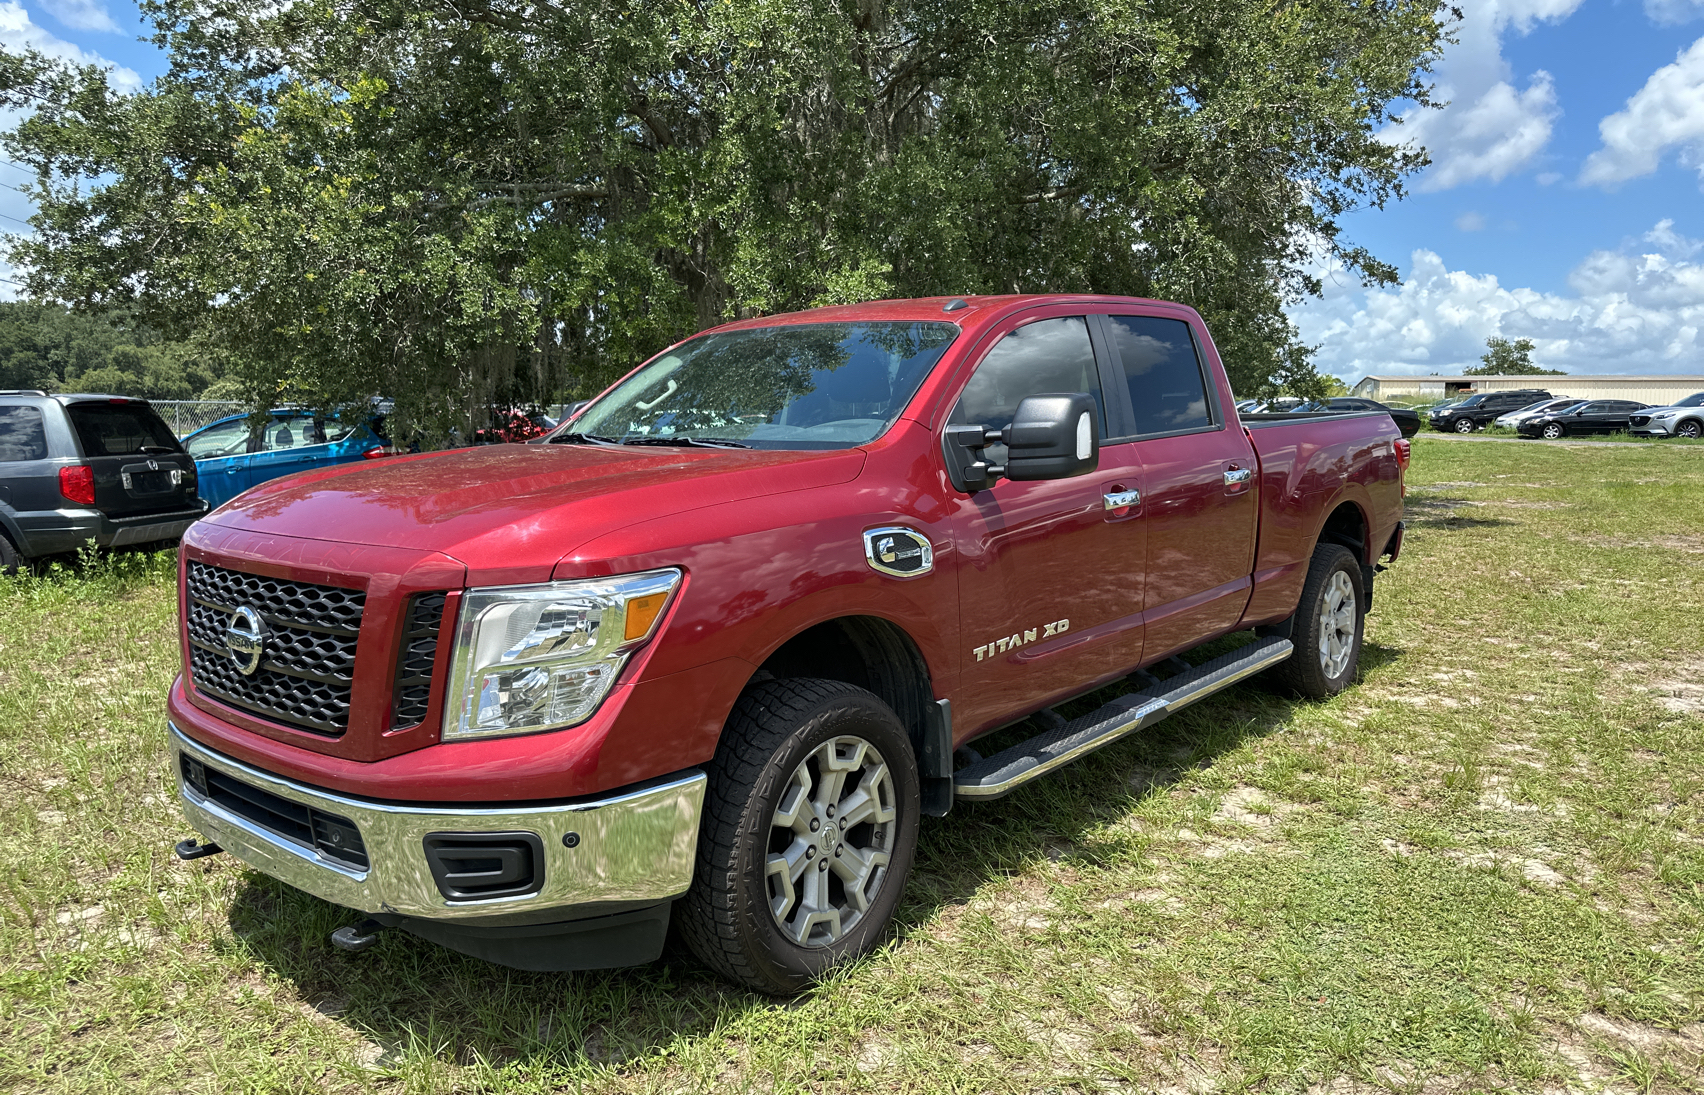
(1481, 868)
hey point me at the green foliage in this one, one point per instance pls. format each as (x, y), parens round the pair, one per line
(481, 204)
(44, 346)
(1505, 358)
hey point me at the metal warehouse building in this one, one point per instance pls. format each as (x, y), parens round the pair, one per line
(1658, 391)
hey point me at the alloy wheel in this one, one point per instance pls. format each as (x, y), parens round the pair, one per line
(830, 840)
(1337, 624)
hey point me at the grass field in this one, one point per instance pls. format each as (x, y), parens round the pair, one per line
(1481, 868)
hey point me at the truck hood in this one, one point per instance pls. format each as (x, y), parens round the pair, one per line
(513, 508)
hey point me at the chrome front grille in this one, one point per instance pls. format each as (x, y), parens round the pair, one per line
(307, 662)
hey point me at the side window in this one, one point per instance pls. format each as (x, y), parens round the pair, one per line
(226, 440)
(1167, 391)
(1046, 357)
(22, 435)
(289, 433)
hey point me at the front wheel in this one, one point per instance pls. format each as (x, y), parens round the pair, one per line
(809, 830)
(1464, 425)
(1553, 430)
(1690, 428)
(1327, 627)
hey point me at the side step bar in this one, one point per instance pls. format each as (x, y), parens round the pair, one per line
(1004, 772)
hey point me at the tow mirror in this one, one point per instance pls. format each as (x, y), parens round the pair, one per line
(1051, 437)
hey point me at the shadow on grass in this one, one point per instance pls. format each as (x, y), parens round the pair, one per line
(412, 998)
(1440, 513)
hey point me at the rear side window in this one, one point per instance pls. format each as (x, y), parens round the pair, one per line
(1167, 390)
(1047, 357)
(120, 429)
(22, 435)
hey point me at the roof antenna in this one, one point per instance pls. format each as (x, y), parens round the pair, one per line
(954, 305)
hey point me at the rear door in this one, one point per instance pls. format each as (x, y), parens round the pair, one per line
(139, 466)
(1050, 574)
(290, 443)
(29, 481)
(1198, 480)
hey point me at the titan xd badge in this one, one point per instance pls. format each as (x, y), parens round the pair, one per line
(899, 552)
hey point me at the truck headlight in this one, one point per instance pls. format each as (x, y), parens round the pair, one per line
(541, 657)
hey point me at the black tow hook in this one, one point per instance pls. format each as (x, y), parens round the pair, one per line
(193, 849)
(357, 937)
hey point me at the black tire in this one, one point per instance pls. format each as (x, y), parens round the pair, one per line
(1553, 431)
(10, 561)
(1690, 428)
(1308, 671)
(777, 729)
(1464, 425)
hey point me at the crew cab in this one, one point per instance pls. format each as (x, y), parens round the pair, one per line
(712, 649)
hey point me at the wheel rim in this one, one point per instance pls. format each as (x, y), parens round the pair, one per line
(830, 841)
(1553, 431)
(1337, 624)
(1464, 426)
(1690, 429)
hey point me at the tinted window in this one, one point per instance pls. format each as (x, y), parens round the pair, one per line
(120, 429)
(804, 386)
(22, 436)
(1164, 374)
(1047, 357)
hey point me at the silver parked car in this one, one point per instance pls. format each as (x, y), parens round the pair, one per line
(1533, 410)
(1684, 419)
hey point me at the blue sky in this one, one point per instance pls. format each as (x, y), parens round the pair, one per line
(1564, 203)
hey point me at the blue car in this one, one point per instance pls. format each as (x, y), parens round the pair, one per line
(228, 464)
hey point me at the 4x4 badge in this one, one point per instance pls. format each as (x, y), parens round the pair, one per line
(899, 552)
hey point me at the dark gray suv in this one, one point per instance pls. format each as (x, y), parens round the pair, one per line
(76, 468)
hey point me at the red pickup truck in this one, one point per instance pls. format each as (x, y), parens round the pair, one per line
(713, 648)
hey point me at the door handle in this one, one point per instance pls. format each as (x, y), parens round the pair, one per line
(1237, 479)
(1123, 499)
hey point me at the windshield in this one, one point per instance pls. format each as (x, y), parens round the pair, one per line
(806, 386)
(1696, 399)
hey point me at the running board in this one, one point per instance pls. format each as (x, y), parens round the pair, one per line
(1004, 772)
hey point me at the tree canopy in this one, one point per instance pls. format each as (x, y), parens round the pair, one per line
(1505, 358)
(45, 346)
(462, 206)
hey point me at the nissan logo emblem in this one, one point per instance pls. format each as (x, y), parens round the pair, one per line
(245, 639)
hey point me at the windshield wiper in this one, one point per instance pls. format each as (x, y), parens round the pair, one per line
(690, 442)
(572, 438)
(156, 448)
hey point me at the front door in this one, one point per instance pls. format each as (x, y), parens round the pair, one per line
(1050, 577)
(1199, 483)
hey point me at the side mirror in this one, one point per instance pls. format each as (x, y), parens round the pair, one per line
(575, 408)
(1051, 437)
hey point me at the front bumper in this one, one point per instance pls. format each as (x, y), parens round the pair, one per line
(1651, 429)
(632, 846)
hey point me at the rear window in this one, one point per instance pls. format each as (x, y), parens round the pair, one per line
(120, 429)
(22, 436)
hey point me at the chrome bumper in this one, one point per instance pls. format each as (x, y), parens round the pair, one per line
(633, 846)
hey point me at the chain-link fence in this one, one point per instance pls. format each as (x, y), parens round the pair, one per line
(185, 416)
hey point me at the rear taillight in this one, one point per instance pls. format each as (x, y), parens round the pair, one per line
(78, 484)
(1404, 449)
(382, 450)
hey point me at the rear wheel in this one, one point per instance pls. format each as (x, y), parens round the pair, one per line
(9, 558)
(1464, 425)
(1553, 430)
(1327, 627)
(809, 829)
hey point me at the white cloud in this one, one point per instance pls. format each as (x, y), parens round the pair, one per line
(1638, 309)
(1673, 11)
(1471, 222)
(81, 14)
(18, 33)
(1490, 128)
(1668, 112)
